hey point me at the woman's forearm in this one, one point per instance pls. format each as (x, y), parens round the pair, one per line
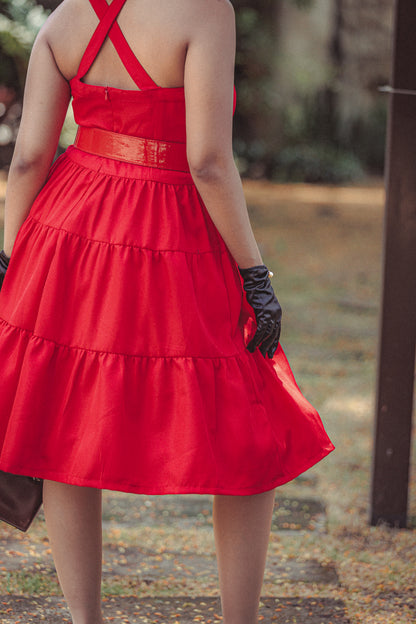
(222, 193)
(24, 182)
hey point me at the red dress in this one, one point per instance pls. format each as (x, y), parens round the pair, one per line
(123, 324)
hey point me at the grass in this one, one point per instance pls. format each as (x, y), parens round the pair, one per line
(324, 246)
(33, 584)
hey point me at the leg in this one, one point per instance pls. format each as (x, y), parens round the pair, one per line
(242, 529)
(73, 521)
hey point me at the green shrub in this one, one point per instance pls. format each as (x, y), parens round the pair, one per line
(366, 136)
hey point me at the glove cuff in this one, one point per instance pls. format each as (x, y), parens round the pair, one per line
(258, 272)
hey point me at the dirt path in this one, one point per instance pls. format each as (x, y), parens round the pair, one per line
(160, 566)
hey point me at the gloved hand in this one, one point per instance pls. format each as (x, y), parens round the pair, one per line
(261, 297)
(4, 263)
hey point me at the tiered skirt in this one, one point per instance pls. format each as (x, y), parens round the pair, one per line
(123, 332)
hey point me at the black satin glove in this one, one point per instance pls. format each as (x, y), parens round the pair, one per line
(261, 297)
(4, 263)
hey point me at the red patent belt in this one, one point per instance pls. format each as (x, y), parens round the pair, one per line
(131, 149)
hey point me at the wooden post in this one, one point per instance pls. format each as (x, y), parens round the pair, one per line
(396, 363)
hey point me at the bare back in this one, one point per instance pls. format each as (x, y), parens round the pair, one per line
(158, 32)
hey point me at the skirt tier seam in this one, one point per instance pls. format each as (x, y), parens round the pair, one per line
(126, 177)
(117, 353)
(113, 244)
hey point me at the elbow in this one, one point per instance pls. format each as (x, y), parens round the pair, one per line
(211, 167)
(25, 164)
(28, 159)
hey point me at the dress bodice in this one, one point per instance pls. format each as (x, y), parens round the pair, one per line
(152, 113)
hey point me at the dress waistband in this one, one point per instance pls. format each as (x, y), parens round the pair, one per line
(131, 149)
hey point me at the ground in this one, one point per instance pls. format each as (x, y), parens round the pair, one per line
(325, 563)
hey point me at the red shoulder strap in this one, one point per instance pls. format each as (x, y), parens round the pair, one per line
(108, 26)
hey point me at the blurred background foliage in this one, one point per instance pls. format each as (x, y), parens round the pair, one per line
(306, 76)
(20, 20)
(307, 73)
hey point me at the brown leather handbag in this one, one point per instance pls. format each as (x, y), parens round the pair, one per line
(20, 499)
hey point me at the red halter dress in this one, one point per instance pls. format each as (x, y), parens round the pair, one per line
(124, 324)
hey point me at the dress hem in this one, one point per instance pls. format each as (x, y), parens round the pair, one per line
(166, 490)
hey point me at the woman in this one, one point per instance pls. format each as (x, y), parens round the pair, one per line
(133, 360)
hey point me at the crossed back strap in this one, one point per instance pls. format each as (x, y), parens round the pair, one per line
(108, 26)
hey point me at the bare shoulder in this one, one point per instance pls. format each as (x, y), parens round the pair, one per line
(212, 11)
(68, 27)
(210, 22)
(215, 6)
(66, 19)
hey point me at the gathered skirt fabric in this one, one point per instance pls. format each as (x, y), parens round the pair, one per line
(123, 332)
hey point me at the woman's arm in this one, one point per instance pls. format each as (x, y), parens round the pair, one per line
(209, 80)
(45, 103)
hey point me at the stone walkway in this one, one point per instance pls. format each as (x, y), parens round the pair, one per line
(159, 566)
